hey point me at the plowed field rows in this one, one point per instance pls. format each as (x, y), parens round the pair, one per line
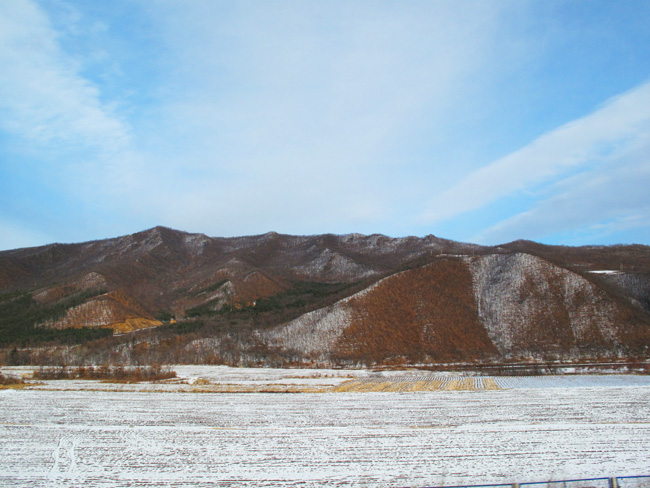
(462, 433)
(408, 383)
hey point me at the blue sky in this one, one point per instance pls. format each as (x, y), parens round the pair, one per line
(475, 121)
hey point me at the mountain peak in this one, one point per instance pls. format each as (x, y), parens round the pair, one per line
(337, 298)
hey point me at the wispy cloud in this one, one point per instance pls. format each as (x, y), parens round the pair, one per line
(610, 132)
(298, 111)
(43, 97)
(304, 117)
(63, 134)
(594, 206)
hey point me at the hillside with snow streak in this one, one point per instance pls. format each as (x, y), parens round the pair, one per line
(162, 296)
(508, 306)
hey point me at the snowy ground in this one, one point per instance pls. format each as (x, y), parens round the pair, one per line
(535, 429)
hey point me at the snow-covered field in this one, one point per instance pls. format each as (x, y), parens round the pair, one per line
(533, 429)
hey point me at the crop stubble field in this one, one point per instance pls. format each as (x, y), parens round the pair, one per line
(368, 430)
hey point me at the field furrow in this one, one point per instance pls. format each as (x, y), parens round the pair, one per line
(406, 429)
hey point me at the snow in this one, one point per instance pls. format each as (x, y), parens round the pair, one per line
(502, 287)
(333, 264)
(537, 429)
(267, 376)
(313, 332)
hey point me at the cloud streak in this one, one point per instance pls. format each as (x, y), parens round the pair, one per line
(235, 118)
(64, 142)
(591, 206)
(42, 96)
(313, 105)
(622, 124)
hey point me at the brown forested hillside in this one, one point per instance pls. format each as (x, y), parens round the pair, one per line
(275, 299)
(423, 315)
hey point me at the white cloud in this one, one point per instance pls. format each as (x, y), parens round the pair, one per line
(622, 124)
(300, 117)
(263, 115)
(298, 110)
(43, 98)
(593, 206)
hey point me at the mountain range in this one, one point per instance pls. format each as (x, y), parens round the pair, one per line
(166, 296)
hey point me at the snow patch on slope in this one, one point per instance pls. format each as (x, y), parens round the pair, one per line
(98, 312)
(196, 243)
(314, 333)
(635, 286)
(512, 291)
(332, 264)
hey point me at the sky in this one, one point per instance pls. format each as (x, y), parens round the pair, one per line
(477, 121)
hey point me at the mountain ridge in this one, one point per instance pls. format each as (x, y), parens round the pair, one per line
(430, 299)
